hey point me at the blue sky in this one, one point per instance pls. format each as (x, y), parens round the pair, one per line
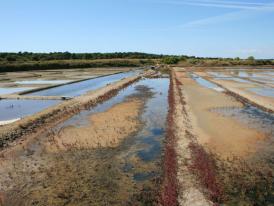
(212, 28)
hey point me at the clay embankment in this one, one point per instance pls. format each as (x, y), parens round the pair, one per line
(48, 118)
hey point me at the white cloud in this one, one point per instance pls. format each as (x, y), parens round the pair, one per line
(219, 4)
(233, 2)
(231, 16)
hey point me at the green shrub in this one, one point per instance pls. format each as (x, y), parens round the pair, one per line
(170, 60)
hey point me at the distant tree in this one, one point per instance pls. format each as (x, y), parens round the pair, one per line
(66, 55)
(193, 61)
(171, 60)
(251, 58)
(183, 58)
(237, 59)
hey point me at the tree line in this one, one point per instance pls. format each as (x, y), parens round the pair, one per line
(30, 56)
(23, 61)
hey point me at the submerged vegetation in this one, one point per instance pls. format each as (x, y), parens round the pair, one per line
(25, 61)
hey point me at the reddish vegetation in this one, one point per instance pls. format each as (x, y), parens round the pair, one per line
(203, 163)
(204, 166)
(170, 187)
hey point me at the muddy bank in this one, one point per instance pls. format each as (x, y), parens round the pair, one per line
(51, 116)
(124, 169)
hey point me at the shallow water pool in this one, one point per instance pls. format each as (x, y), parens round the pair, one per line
(201, 81)
(4, 91)
(14, 109)
(80, 88)
(263, 91)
